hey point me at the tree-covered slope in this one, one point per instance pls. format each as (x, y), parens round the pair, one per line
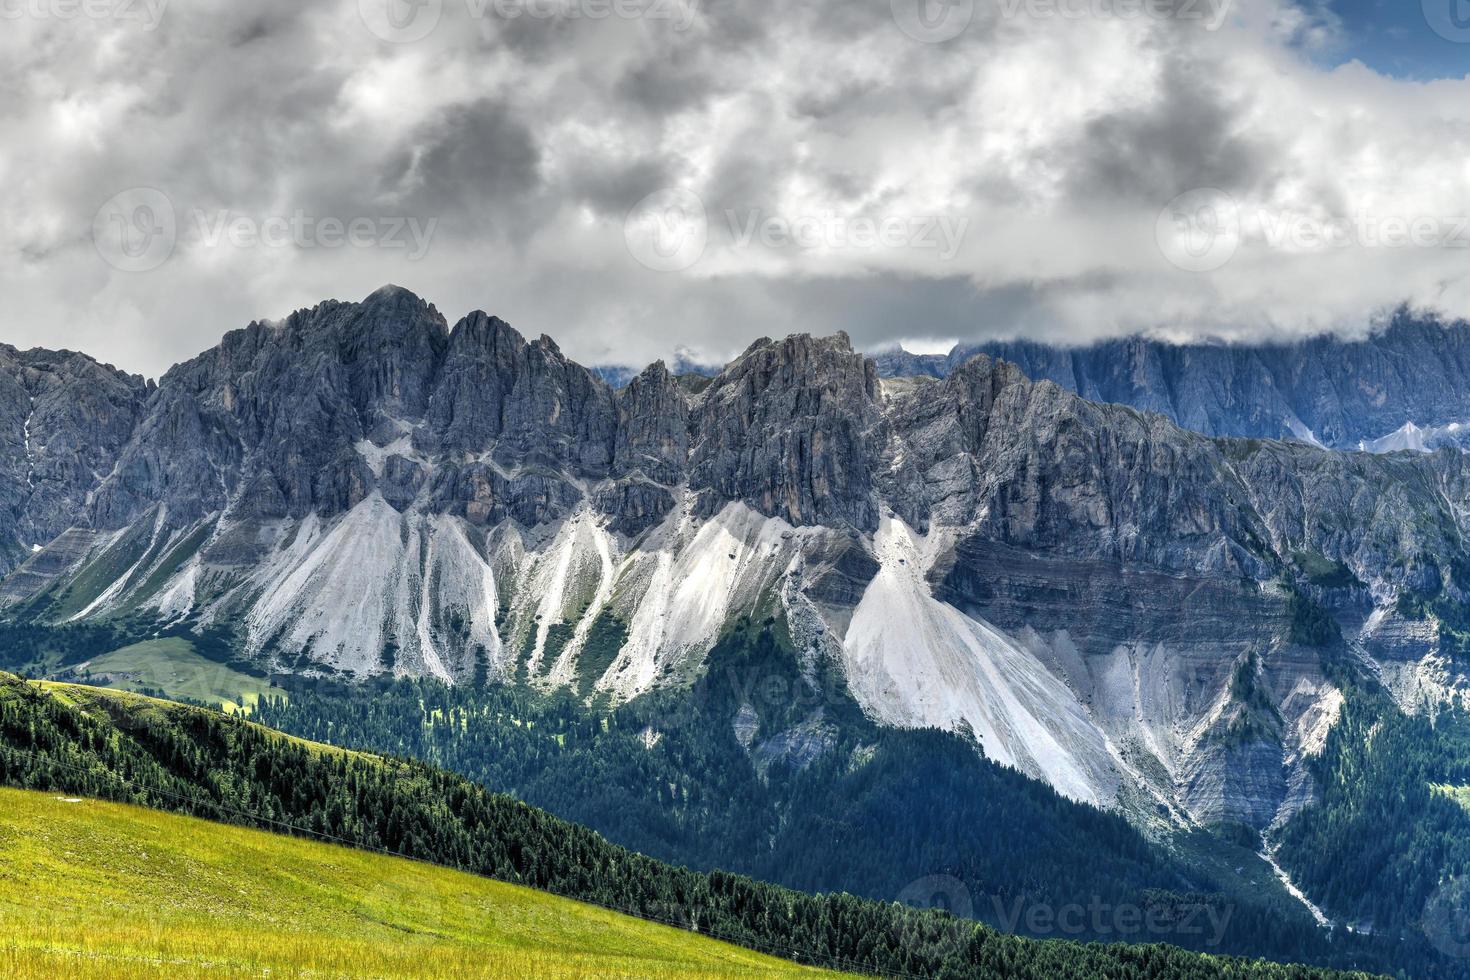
(879, 813)
(89, 742)
(98, 889)
(1387, 848)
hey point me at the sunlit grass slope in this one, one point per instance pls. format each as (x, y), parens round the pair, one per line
(94, 889)
(172, 665)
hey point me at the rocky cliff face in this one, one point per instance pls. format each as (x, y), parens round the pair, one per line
(790, 428)
(339, 402)
(1140, 614)
(64, 419)
(1399, 388)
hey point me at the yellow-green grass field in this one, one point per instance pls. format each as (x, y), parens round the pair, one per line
(95, 889)
(173, 666)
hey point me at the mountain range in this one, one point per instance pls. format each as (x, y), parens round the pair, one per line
(1399, 387)
(1106, 600)
(1098, 566)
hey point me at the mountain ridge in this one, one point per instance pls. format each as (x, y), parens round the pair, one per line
(362, 489)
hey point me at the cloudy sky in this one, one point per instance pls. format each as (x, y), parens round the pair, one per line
(639, 177)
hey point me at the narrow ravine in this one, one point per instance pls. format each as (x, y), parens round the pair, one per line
(30, 457)
(1296, 893)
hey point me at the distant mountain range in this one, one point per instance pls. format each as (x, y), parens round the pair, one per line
(1401, 387)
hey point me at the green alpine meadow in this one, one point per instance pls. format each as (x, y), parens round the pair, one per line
(100, 889)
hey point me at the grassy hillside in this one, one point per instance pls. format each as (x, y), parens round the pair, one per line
(88, 742)
(171, 664)
(100, 889)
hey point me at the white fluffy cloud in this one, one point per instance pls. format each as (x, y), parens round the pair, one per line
(825, 169)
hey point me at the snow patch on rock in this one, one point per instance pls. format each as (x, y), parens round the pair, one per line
(1414, 439)
(377, 456)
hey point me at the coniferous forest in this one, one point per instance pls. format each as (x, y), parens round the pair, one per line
(879, 812)
(194, 761)
(1390, 838)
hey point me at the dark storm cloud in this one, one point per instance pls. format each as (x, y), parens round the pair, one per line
(611, 190)
(475, 158)
(1193, 136)
(667, 84)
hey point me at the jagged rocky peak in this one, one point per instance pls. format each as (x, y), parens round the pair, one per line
(939, 438)
(391, 298)
(315, 413)
(653, 427)
(485, 357)
(791, 429)
(392, 349)
(525, 401)
(275, 410)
